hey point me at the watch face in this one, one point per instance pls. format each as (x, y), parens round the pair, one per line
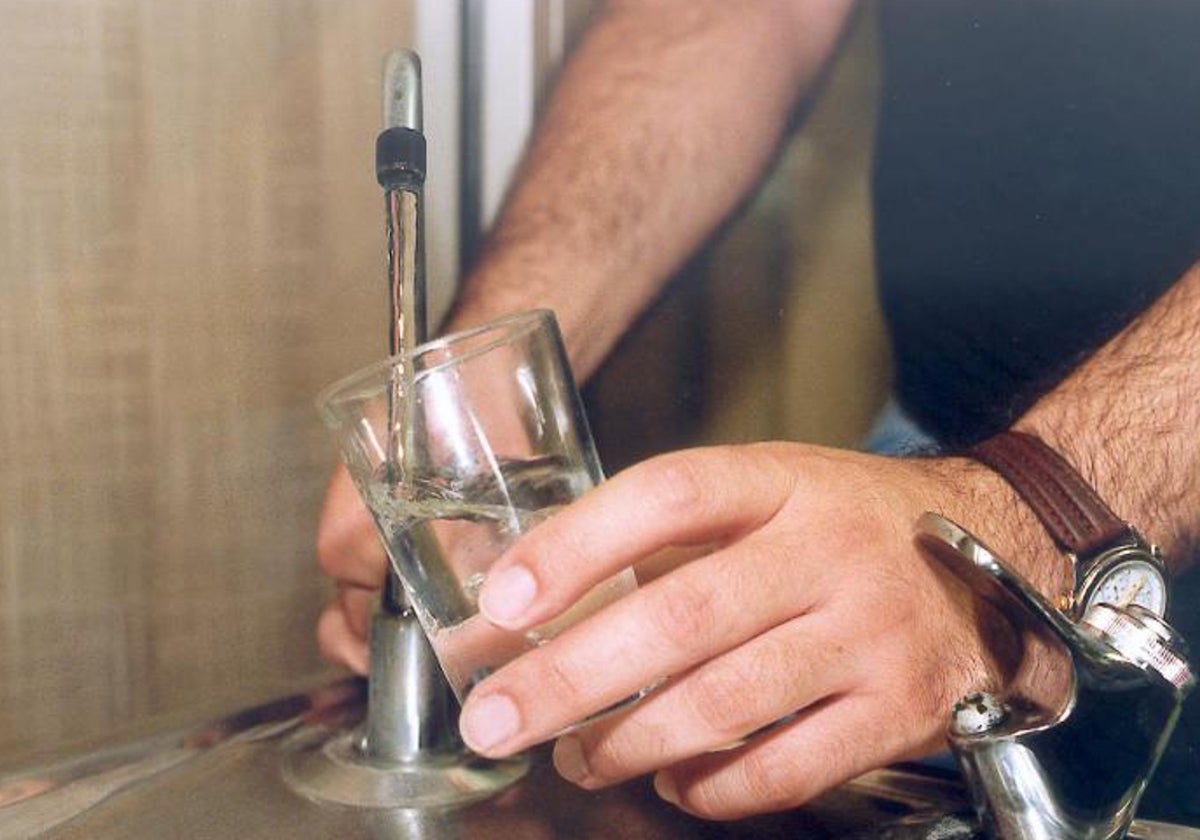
(1129, 582)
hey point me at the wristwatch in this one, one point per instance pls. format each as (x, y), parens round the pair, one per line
(1111, 562)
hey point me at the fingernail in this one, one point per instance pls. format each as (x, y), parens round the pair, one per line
(665, 787)
(507, 595)
(569, 760)
(489, 721)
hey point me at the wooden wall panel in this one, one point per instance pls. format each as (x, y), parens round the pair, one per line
(190, 241)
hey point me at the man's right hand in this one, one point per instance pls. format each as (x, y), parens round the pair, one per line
(349, 551)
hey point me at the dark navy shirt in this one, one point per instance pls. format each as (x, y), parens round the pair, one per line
(1037, 184)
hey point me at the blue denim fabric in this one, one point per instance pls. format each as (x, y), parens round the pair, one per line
(895, 433)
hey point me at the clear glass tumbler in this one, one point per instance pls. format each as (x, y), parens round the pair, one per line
(456, 457)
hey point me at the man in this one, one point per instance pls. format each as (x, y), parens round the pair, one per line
(806, 600)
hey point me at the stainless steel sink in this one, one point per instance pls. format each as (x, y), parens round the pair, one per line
(224, 779)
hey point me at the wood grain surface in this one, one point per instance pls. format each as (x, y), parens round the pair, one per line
(190, 247)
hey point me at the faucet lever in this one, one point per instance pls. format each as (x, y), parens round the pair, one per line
(1076, 773)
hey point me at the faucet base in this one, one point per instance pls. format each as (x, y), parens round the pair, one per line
(329, 766)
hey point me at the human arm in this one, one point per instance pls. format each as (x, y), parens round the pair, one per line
(663, 119)
(1127, 420)
(817, 602)
(665, 116)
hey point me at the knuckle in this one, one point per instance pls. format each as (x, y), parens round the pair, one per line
(328, 548)
(765, 781)
(356, 605)
(675, 485)
(347, 549)
(722, 701)
(572, 550)
(603, 764)
(559, 680)
(710, 800)
(684, 614)
(759, 780)
(334, 540)
(871, 531)
(609, 758)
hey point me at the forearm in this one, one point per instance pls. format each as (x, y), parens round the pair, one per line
(665, 116)
(1129, 419)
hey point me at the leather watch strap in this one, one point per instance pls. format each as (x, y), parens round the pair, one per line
(1077, 518)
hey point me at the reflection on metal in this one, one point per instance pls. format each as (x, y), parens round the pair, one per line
(411, 708)
(224, 779)
(407, 753)
(327, 766)
(402, 105)
(1078, 773)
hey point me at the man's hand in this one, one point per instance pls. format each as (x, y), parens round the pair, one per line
(814, 614)
(349, 551)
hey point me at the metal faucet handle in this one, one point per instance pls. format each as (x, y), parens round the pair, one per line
(1142, 638)
(978, 566)
(1076, 773)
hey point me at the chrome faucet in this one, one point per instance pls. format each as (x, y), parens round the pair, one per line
(1076, 773)
(408, 753)
(409, 707)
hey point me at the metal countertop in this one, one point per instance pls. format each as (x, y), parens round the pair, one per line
(223, 779)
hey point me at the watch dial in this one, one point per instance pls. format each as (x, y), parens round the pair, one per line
(1128, 583)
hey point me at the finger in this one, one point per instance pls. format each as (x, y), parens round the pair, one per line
(348, 547)
(668, 560)
(666, 628)
(715, 705)
(684, 498)
(357, 603)
(825, 746)
(337, 641)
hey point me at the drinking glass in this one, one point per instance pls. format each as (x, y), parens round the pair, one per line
(456, 454)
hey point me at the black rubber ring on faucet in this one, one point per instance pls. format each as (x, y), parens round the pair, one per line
(400, 158)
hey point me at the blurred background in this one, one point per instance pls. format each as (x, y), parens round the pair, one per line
(191, 246)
